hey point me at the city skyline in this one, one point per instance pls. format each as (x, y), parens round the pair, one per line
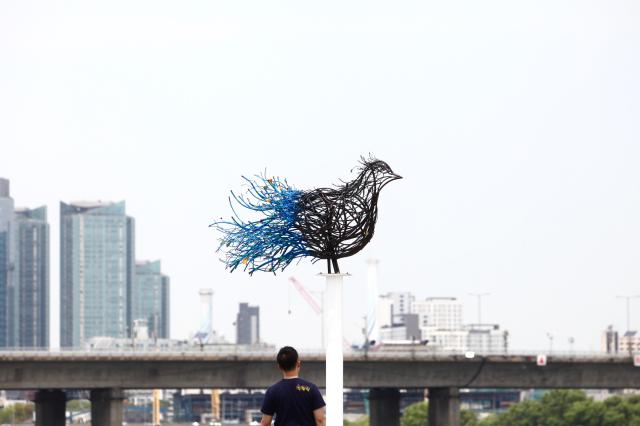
(105, 290)
(401, 298)
(149, 281)
(514, 126)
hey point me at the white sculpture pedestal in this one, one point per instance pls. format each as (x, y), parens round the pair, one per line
(334, 352)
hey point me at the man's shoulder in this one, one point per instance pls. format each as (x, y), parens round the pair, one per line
(284, 384)
(306, 385)
(275, 386)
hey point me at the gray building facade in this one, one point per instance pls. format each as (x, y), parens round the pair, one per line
(24, 274)
(97, 262)
(6, 258)
(29, 319)
(248, 325)
(150, 298)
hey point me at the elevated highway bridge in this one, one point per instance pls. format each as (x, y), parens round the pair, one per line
(107, 374)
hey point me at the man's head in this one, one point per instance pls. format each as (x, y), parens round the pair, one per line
(288, 359)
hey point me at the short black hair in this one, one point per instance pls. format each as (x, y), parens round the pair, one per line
(287, 358)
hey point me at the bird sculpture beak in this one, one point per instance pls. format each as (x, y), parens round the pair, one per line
(396, 177)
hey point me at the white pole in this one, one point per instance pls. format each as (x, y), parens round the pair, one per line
(322, 337)
(334, 355)
(373, 328)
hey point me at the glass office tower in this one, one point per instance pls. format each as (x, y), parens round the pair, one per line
(96, 270)
(150, 298)
(6, 260)
(29, 319)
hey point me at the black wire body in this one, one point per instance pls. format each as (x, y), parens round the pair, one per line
(339, 222)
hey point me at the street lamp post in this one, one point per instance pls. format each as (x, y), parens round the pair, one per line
(550, 337)
(479, 296)
(628, 300)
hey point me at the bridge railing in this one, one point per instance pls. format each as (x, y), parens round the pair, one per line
(379, 352)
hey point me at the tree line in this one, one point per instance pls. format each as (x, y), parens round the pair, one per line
(555, 408)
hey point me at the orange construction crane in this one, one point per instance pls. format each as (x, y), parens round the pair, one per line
(311, 301)
(215, 404)
(156, 407)
(306, 296)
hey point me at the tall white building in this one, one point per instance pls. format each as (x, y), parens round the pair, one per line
(440, 313)
(401, 303)
(385, 311)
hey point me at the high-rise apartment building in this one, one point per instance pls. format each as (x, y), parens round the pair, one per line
(402, 303)
(96, 271)
(6, 258)
(24, 274)
(150, 298)
(29, 311)
(248, 325)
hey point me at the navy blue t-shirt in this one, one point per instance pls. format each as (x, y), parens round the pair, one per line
(293, 402)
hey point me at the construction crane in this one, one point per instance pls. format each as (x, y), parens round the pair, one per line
(155, 408)
(306, 296)
(215, 404)
(311, 301)
(317, 307)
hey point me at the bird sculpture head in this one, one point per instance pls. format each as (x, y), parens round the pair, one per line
(378, 172)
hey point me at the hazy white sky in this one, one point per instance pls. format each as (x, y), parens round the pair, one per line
(515, 124)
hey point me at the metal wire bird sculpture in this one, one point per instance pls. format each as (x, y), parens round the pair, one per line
(322, 223)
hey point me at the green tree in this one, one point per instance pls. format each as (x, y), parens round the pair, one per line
(78, 405)
(491, 420)
(468, 418)
(570, 408)
(361, 422)
(16, 413)
(418, 415)
(415, 415)
(554, 405)
(526, 413)
(585, 413)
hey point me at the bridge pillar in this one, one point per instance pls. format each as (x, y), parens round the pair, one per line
(384, 407)
(50, 407)
(106, 407)
(444, 407)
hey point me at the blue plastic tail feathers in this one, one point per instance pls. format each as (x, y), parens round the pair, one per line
(271, 242)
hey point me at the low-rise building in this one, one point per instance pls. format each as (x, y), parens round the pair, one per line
(630, 342)
(486, 338)
(609, 342)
